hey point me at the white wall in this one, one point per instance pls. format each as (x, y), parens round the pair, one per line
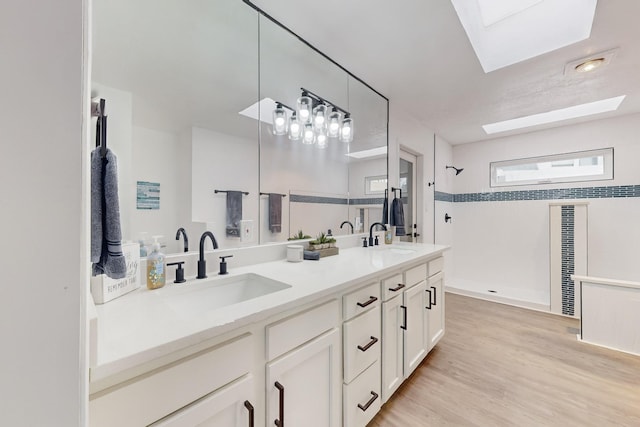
(505, 245)
(413, 136)
(445, 180)
(44, 369)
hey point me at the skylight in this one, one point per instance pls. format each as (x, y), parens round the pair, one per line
(576, 111)
(373, 152)
(504, 32)
(264, 108)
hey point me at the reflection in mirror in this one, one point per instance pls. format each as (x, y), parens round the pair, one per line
(174, 76)
(181, 84)
(324, 184)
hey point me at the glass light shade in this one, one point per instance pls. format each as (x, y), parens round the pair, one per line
(346, 131)
(333, 127)
(303, 108)
(320, 117)
(321, 140)
(279, 121)
(308, 136)
(295, 128)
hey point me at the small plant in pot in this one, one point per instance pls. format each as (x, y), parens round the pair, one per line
(322, 241)
(299, 236)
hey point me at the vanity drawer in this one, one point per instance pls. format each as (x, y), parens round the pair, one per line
(392, 286)
(293, 331)
(415, 275)
(145, 399)
(436, 266)
(361, 300)
(361, 345)
(361, 398)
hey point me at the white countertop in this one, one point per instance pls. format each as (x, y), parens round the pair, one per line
(144, 325)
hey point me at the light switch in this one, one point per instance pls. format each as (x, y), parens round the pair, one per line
(246, 230)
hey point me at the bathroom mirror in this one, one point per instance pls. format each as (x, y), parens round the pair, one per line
(175, 77)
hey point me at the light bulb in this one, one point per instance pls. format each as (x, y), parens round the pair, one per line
(346, 132)
(334, 124)
(304, 104)
(308, 136)
(279, 120)
(321, 140)
(319, 115)
(295, 130)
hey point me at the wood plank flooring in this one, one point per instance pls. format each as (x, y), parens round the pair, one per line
(499, 365)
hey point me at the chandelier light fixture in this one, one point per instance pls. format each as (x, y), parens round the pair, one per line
(315, 120)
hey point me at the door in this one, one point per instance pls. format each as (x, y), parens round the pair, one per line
(392, 351)
(303, 386)
(435, 308)
(415, 332)
(230, 406)
(407, 181)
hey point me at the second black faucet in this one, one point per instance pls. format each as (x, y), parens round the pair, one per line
(202, 263)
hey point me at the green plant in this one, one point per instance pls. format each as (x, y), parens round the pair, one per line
(299, 236)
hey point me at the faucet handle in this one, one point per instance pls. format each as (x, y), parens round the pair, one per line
(223, 264)
(179, 272)
(364, 242)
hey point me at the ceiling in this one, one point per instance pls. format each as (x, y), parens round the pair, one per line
(418, 55)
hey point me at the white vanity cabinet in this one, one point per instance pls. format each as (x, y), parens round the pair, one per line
(435, 301)
(193, 389)
(304, 369)
(361, 355)
(231, 406)
(405, 340)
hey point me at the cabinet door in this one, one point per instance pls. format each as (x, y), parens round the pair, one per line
(392, 351)
(435, 308)
(304, 385)
(230, 406)
(415, 327)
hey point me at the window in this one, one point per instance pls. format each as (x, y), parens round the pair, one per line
(375, 184)
(570, 167)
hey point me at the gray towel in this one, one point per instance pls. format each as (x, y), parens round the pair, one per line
(275, 212)
(397, 216)
(106, 235)
(311, 255)
(385, 209)
(234, 213)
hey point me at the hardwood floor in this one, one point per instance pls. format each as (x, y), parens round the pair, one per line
(499, 365)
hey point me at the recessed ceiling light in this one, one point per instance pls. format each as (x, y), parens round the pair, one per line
(573, 112)
(591, 62)
(589, 65)
(504, 32)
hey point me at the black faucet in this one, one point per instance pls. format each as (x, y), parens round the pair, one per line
(202, 264)
(347, 222)
(186, 239)
(371, 231)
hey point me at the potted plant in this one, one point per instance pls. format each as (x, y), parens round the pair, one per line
(322, 241)
(299, 236)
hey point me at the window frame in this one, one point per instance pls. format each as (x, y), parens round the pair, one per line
(369, 179)
(607, 175)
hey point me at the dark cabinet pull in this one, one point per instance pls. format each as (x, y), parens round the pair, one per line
(397, 288)
(372, 299)
(374, 396)
(429, 306)
(280, 421)
(404, 317)
(434, 295)
(369, 344)
(249, 407)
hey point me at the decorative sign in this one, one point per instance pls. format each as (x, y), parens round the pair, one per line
(148, 195)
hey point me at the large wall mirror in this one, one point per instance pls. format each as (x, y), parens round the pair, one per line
(190, 89)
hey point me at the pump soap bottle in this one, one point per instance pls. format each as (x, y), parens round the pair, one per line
(155, 267)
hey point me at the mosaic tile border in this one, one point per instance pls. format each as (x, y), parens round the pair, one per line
(298, 198)
(568, 258)
(614, 191)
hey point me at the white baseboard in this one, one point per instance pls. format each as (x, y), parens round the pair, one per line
(499, 299)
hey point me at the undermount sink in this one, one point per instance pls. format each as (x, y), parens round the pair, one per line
(397, 250)
(217, 292)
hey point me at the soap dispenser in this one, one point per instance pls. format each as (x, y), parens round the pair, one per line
(155, 267)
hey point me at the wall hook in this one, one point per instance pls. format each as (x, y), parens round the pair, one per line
(431, 183)
(447, 217)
